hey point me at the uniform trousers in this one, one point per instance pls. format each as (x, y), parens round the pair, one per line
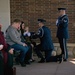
(39, 49)
(63, 46)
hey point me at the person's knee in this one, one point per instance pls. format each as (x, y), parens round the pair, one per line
(24, 49)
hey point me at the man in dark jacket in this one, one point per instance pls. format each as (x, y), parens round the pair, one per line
(62, 32)
(46, 43)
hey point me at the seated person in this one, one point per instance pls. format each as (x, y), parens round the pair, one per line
(6, 56)
(25, 35)
(28, 36)
(13, 38)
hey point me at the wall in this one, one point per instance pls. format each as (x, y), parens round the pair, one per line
(30, 10)
(4, 14)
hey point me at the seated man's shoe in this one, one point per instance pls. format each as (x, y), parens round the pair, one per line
(32, 60)
(23, 64)
(41, 61)
(28, 62)
(17, 61)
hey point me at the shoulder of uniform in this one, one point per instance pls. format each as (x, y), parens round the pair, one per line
(65, 16)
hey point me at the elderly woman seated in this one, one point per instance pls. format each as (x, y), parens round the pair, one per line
(6, 56)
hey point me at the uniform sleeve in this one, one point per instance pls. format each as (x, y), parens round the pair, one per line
(63, 23)
(40, 33)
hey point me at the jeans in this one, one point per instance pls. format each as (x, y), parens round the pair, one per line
(23, 50)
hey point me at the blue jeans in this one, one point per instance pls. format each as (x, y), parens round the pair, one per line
(22, 49)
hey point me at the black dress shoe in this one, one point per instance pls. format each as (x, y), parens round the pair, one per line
(28, 62)
(65, 60)
(41, 61)
(17, 61)
(32, 60)
(23, 64)
(60, 61)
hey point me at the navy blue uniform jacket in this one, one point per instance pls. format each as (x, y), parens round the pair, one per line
(62, 27)
(44, 34)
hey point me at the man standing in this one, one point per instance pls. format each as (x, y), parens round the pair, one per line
(13, 38)
(46, 43)
(62, 32)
